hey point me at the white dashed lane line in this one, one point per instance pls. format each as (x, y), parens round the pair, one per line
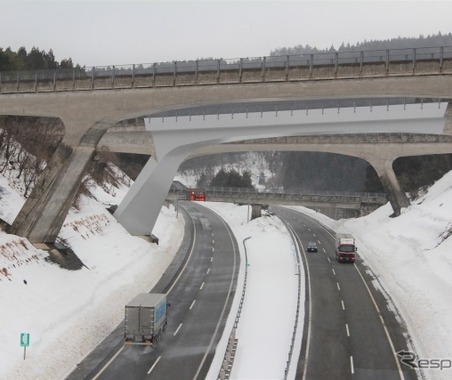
(153, 366)
(177, 330)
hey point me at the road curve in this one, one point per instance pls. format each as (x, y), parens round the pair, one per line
(349, 333)
(200, 287)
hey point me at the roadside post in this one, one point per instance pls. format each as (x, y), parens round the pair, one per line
(24, 342)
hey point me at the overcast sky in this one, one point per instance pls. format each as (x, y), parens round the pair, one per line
(105, 32)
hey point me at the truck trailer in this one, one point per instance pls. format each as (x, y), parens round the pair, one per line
(145, 318)
(345, 248)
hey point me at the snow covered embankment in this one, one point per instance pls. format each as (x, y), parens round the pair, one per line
(67, 313)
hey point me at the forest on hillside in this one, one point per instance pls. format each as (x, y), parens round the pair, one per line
(434, 40)
(34, 59)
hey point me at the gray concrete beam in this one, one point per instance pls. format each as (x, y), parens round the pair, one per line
(448, 117)
(256, 211)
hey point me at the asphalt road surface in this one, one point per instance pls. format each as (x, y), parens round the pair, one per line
(200, 287)
(350, 332)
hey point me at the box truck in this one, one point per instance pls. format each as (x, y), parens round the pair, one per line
(345, 248)
(145, 318)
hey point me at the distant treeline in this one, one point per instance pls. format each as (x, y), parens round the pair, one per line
(35, 59)
(433, 40)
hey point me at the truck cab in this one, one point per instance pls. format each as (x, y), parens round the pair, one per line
(345, 248)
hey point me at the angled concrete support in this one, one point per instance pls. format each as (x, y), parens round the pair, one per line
(140, 209)
(44, 212)
(396, 196)
(448, 117)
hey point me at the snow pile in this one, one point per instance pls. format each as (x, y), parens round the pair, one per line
(67, 313)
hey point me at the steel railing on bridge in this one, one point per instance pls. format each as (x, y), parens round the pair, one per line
(253, 195)
(409, 61)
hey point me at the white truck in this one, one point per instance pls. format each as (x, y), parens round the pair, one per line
(345, 248)
(145, 318)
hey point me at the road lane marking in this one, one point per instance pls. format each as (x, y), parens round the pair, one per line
(391, 344)
(347, 329)
(324, 251)
(108, 363)
(213, 241)
(177, 330)
(153, 366)
(211, 259)
(318, 241)
(188, 259)
(314, 235)
(334, 272)
(208, 271)
(338, 286)
(352, 366)
(343, 305)
(192, 304)
(328, 259)
(202, 286)
(213, 249)
(231, 283)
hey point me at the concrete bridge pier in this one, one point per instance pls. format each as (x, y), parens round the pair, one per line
(139, 210)
(45, 210)
(391, 185)
(256, 211)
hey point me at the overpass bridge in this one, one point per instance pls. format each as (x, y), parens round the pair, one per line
(364, 93)
(336, 205)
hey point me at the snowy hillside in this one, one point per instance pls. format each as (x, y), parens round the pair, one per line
(262, 176)
(67, 313)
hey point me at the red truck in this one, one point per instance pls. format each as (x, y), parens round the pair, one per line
(196, 195)
(345, 248)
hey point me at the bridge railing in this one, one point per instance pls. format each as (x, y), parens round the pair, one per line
(238, 193)
(335, 64)
(248, 190)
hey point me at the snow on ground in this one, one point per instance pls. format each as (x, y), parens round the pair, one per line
(270, 297)
(67, 313)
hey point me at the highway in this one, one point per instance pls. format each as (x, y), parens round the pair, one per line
(349, 331)
(200, 287)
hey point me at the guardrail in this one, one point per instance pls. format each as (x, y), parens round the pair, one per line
(297, 312)
(327, 196)
(228, 360)
(252, 195)
(425, 60)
